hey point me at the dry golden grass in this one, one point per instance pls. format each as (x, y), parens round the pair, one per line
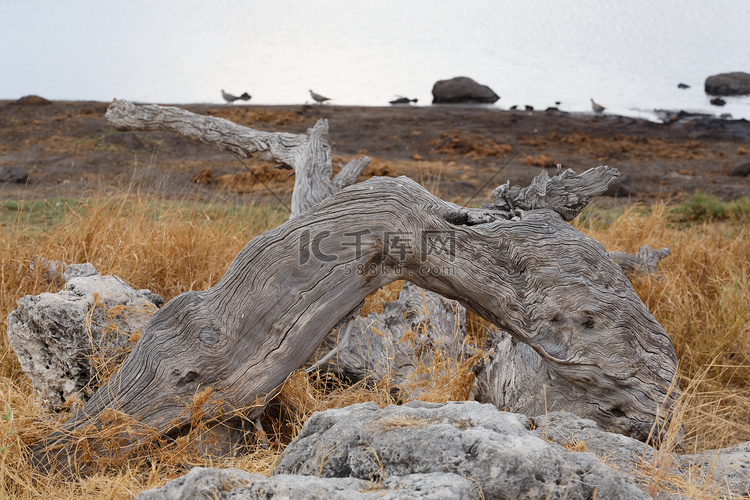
(701, 299)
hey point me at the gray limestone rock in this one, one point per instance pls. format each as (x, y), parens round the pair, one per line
(58, 337)
(728, 469)
(79, 271)
(393, 343)
(235, 484)
(621, 452)
(469, 439)
(462, 450)
(725, 472)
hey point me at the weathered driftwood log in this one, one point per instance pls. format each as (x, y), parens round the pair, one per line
(537, 278)
(364, 351)
(309, 155)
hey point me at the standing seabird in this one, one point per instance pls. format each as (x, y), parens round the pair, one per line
(598, 108)
(319, 98)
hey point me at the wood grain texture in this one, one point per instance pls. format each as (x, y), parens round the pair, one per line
(548, 286)
(567, 193)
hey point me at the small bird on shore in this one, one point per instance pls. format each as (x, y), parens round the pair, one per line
(598, 108)
(319, 98)
(403, 100)
(231, 98)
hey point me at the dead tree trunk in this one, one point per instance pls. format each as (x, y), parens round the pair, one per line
(556, 292)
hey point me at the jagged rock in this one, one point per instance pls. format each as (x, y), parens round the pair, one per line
(473, 440)
(79, 271)
(621, 452)
(60, 337)
(728, 469)
(462, 90)
(742, 169)
(475, 451)
(736, 83)
(13, 173)
(239, 485)
(409, 331)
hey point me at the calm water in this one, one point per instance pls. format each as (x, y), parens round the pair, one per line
(628, 55)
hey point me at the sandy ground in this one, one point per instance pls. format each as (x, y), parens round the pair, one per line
(69, 149)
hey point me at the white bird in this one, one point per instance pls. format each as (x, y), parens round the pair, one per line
(231, 98)
(598, 108)
(319, 98)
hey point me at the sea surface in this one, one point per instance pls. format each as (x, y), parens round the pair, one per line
(629, 55)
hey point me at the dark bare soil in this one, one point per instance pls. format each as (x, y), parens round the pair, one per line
(69, 149)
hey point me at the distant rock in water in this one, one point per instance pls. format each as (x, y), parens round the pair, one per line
(737, 83)
(462, 90)
(683, 86)
(718, 101)
(32, 100)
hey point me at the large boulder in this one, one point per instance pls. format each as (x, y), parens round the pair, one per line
(737, 83)
(64, 339)
(462, 90)
(469, 439)
(235, 484)
(466, 450)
